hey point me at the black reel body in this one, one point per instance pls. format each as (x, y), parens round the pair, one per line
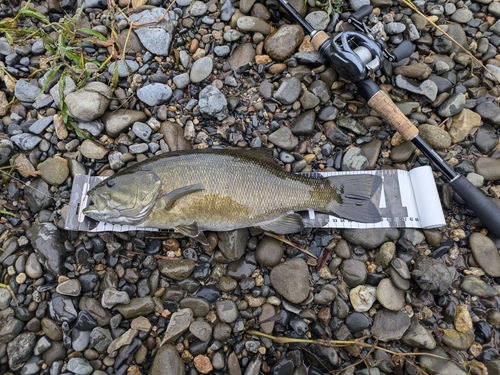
(354, 55)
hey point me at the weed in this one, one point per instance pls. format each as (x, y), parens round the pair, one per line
(330, 6)
(64, 52)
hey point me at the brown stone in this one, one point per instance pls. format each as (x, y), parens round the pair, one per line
(463, 320)
(463, 123)
(173, 135)
(203, 364)
(284, 41)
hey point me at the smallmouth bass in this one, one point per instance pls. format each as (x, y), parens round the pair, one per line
(220, 190)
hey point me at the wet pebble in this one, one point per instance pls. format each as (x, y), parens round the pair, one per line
(178, 324)
(291, 280)
(485, 254)
(201, 69)
(227, 311)
(435, 136)
(20, 349)
(90, 102)
(288, 91)
(362, 297)
(284, 138)
(417, 336)
(390, 325)
(112, 297)
(389, 296)
(269, 252)
(154, 94)
(432, 274)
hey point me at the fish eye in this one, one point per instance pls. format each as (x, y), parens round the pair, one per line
(110, 183)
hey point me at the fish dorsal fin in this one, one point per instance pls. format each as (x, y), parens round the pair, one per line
(192, 230)
(175, 194)
(286, 224)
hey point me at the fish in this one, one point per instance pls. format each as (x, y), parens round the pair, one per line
(193, 191)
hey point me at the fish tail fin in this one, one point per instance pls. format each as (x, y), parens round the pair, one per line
(356, 192)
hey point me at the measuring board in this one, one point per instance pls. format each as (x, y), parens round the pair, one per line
(405, 200)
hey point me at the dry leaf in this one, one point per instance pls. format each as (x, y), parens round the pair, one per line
(24, 166)
(138, 3)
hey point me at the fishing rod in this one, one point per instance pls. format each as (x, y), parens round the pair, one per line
(356, 54)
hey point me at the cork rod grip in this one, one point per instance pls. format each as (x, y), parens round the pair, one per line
(393, 115)
(318, 39)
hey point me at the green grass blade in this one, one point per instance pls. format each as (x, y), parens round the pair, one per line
(32, 13)
(91, 32)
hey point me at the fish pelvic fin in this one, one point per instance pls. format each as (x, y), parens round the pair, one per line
(192, 230)
(355, 193)
(286, 224)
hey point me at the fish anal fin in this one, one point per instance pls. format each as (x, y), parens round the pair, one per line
(172, 196)
(192, 230)
(286, 224)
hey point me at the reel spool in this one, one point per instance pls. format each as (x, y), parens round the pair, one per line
(354, 55)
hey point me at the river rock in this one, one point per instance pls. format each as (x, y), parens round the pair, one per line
(269, 252)
(201, 69)
(363, 297)
(253, 24)
(463, 123)
(167, 362)
(93, 150)
(173, 135)
(154, 94)
(284, 138)
(441, 366)
(177, 269)
(389, 296)
(118, 121)
(139, 306)
(242, 57)
(485, 254)
(435, 136)
(178, 324)
(432, 274)
(39, 196)
(233, 243)
(47, 241)
(89, 102)
(390, 325)
(213, 103)
(291, 280)
(26, 91)
(477, 287)
(489, 168)
(288, 91)
(417, 336)
(283, 42)
(156, 37)
(54, 171)
(370, 238)
(20, 349)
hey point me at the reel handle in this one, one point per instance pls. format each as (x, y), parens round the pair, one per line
(402, 51)
(361, 13)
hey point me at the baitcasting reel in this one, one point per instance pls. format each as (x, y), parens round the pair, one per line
(354, 54)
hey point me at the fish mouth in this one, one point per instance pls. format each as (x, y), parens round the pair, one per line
(100, 210)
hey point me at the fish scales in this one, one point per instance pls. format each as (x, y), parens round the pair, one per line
(238, 191)
(221, 190)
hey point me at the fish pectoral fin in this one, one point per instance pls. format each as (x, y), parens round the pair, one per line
(171, 197)
(192, 230)
(286, 224)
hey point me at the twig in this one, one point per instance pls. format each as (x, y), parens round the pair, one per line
(284, 240)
